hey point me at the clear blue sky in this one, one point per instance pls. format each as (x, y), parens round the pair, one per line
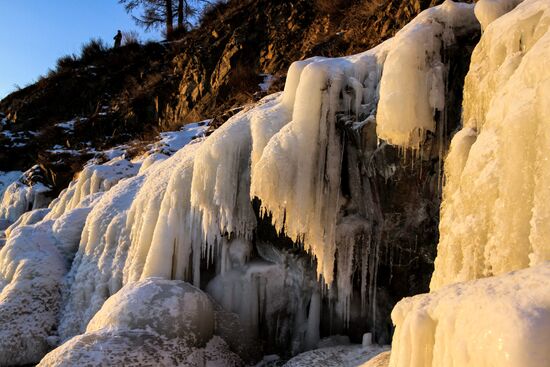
(35, 33)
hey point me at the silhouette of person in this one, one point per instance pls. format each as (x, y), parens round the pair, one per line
(118, 39)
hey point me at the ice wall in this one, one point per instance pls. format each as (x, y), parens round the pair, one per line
(494, 215)
(495, 207)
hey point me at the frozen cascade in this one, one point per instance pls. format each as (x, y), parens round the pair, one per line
(19, 198)
(297, 177)
(286, 151)
(99, 267)
(159, 223)
(32, 263)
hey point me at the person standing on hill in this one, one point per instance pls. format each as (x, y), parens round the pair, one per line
(118, 39)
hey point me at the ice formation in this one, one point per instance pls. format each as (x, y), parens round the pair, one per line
(488, 10)
(413, 84)
(19, 198)
(93, 178)
(297, 174)
(111, 250)
(182, 213)
(190, 217)
(31, 270)
(6, 178)
(497, 321)
(495, 213)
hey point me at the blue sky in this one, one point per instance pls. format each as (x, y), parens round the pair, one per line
(35, 33)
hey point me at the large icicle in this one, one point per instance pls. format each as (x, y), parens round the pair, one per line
(413, 81)
(160, 224)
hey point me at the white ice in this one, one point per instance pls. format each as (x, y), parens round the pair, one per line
(499, 321)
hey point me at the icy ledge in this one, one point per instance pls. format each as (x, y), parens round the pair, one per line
(501, 321)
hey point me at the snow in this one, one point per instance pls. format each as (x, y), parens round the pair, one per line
(172, 141)
(495, 202)
(497, 321)
(337, 356)
(266, 83)
(70, 125)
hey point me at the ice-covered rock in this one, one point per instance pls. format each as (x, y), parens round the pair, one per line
(150, 322)
(497, 321)
(170, 308)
